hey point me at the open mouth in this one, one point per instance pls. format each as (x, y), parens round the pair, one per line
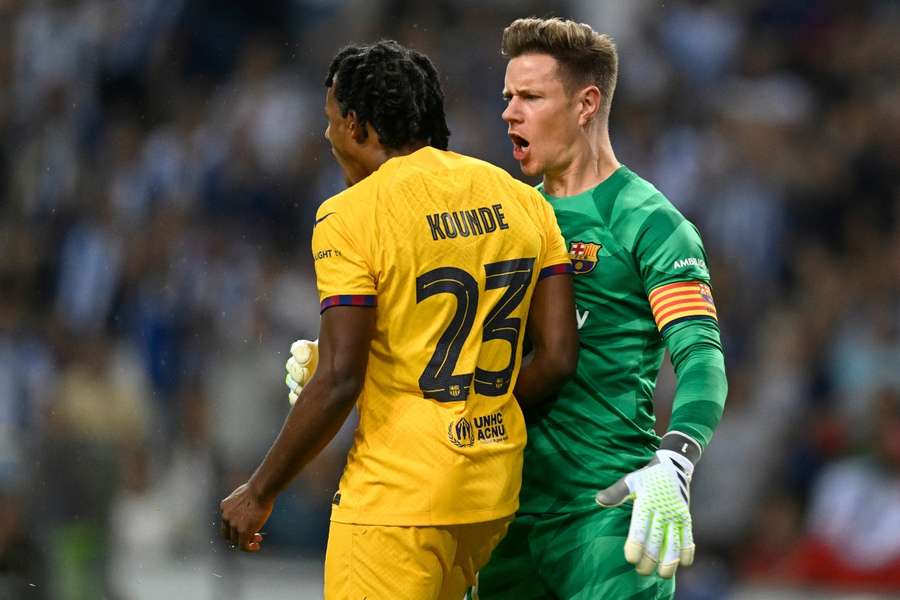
(520, 146)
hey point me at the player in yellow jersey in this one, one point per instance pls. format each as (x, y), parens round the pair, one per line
(429, 266)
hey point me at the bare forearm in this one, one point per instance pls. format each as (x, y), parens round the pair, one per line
(313, 422)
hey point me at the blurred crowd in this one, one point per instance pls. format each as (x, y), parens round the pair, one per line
(161, 162)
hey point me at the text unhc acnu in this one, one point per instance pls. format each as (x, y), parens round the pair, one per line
(464, 223)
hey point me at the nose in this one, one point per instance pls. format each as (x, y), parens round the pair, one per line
(511, 112)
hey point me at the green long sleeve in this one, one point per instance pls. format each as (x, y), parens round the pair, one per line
(696, 350)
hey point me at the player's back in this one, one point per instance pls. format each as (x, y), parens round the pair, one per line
(448, 249)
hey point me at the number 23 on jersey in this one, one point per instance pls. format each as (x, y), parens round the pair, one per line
(438, 380)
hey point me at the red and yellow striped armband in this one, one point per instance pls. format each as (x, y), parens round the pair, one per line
(682, 300)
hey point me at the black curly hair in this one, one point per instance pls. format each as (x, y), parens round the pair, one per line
(394, 88)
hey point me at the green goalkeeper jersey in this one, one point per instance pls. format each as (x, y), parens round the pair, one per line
(640, 278)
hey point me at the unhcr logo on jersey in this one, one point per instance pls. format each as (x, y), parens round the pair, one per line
(459, 433)
(490, 428)
(584, 256)
(482, 429)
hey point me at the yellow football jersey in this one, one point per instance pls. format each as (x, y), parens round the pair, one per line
(448, 250)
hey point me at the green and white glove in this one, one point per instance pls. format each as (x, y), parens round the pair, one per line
(660, 537)
(301, 366)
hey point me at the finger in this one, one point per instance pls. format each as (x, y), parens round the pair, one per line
(255, 543)
(687, 555)
(301, 351)
(298, 378)
(299, 373)
(247, 539)
(295, 381)
(633, 551)
(614, 495)
(291, 382)
(637, 532)
(652, 546)
(687, 544)
(292, 368)
(671, 551)
(646, 565)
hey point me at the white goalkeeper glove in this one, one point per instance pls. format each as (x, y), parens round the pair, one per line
(660, 537)
(301, 366)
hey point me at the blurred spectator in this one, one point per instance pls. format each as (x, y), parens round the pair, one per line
(853, 530)
(852, 533)
(164, 496)
(98, 418)
(23, 568)
(89, 274)
(247, 401)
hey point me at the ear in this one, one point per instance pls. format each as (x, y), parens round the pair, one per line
(357, 132)
(588, 104)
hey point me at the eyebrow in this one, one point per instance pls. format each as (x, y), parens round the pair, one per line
(521, 91)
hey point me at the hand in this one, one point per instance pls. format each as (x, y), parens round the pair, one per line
(660, 537)
(301, 366)
(243, 515)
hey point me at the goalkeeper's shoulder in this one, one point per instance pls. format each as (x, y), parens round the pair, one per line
(640, 209)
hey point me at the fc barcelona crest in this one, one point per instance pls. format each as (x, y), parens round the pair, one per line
(584, 256)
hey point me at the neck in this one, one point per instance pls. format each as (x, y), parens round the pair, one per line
(380, 154)
(591, 161)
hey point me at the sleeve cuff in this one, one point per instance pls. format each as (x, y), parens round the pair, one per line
(682, 444)
(347, 300)
(559, 269)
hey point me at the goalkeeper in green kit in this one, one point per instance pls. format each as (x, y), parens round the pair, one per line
(641, 286)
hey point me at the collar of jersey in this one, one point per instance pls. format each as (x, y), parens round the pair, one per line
(611, 182)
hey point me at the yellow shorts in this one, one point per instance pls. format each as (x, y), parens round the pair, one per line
(376, 562)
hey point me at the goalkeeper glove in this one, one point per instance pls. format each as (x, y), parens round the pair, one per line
(660, 536)
(301, 366)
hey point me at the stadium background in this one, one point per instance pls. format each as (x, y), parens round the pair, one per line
(160, 165)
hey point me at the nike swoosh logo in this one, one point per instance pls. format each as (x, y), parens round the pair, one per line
(323, 217)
